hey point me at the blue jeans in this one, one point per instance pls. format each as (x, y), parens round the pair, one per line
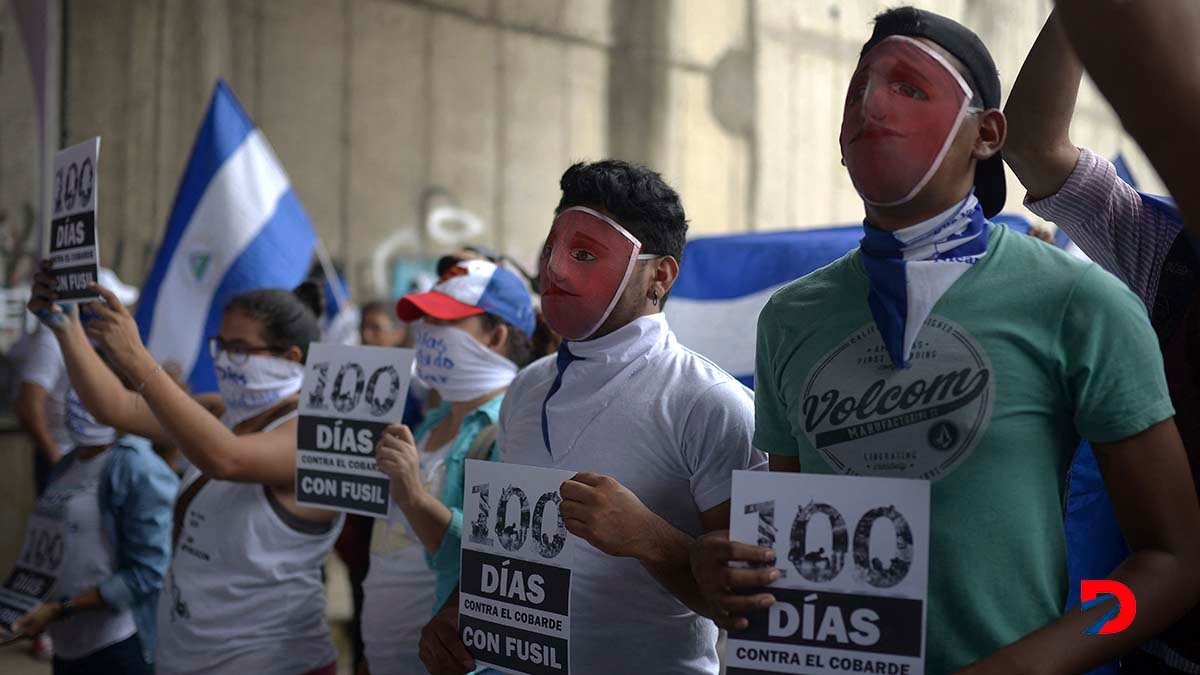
(125, 658)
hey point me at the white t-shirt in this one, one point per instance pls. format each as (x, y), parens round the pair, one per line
(72, 502)
(400, 588)
(42, 364)
(343, 327)
(671, 427)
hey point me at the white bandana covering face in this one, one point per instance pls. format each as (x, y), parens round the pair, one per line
(454, 363)
(85, 431)
(253, 387)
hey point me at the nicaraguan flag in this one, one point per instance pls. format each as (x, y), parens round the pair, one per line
(725, 281)
(236, 226)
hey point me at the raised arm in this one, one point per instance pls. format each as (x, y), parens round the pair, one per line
(267, 457)
(1145, 58)
(100, 391)
(1039, 110)
(163, 412)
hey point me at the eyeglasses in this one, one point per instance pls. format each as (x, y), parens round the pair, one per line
(238, 354)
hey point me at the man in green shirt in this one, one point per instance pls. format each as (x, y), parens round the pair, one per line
(949, 349)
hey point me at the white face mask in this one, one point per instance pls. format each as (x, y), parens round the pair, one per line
(255, 386)
(84, 430)
(457, 365)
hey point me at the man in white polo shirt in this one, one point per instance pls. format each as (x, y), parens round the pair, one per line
(653, 430)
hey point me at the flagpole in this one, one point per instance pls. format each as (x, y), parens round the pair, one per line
(331, 276)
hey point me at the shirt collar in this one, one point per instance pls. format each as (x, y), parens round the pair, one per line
(631, 341)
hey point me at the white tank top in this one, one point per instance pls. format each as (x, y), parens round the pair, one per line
(244, 593)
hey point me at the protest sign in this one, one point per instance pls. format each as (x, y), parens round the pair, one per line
(71, 242)
(854, 554)
(515, 592)
(35, 571)
(350, 395)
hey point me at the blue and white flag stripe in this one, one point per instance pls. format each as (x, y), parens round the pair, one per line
(236, 225)
(725, 281)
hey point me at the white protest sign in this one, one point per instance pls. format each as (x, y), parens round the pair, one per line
(514, 606)
(350, 395)
(36, 569)
(854, 552)
(71, 239)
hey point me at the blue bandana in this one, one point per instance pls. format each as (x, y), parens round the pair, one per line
(910, 269)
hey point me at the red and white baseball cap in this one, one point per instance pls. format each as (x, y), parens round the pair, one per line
(470, 288)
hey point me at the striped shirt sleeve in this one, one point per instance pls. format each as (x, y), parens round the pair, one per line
(1106, 218)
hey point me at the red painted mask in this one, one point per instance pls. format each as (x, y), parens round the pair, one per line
(584, 269)
(903, 109)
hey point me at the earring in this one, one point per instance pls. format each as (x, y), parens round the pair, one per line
(654, 299)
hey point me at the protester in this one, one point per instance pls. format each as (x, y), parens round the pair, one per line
(378, 327)
(472, 333)
(41, 400)
(41, 405)
(471, 252)
(1138, 237)
(653, 429)
(108, 505)
(244, 592)
(1006, 350)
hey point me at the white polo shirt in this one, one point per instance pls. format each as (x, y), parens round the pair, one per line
(670, 426)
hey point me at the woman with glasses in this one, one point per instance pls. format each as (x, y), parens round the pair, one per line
(244, 592)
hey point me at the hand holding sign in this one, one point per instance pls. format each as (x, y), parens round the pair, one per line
(396, 456)
(442, 650)
(34, 622)
(607, 515)
(719, 582)
(43, 301)
(116, 334)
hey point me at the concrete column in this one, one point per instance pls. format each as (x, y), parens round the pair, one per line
(639, 100)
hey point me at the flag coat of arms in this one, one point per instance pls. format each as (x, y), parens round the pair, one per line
(236, 225)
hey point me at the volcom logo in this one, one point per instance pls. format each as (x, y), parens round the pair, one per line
(198, 264)
(868, 419)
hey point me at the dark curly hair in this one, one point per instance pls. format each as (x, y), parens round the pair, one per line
(637, 197)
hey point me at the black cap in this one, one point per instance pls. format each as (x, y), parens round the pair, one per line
(983, 79)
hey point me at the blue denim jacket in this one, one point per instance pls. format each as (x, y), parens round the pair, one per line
(446, 561)
(137, 495)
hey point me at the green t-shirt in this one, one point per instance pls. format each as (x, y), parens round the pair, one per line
(1028, 351)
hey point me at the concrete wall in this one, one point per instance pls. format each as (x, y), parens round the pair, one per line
(380, 109)
(806, 52)
(375, 108)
